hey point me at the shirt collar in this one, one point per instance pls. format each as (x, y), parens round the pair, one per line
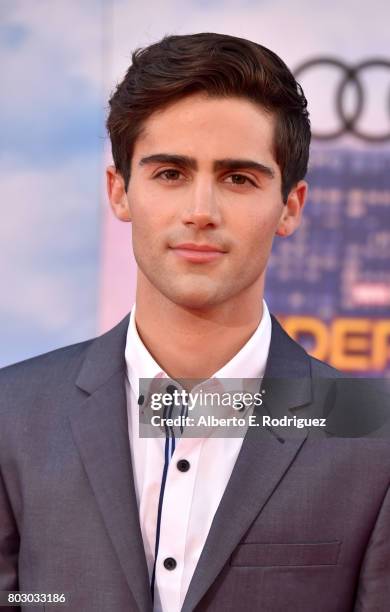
(248, 363)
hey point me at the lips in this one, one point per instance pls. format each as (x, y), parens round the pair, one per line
(191, 246)
(198, 253)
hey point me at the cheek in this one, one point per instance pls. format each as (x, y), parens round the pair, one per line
(145, 217)
(257, 233)
(151, 209)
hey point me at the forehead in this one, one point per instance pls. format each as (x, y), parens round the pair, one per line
(209, 128)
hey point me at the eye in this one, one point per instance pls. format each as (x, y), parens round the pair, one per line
(240, 179)
(170, 174)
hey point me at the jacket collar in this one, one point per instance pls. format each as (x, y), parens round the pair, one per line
(106, 355)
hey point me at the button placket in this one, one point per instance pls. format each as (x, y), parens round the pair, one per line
(175, 521)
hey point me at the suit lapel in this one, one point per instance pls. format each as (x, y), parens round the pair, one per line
(261, 465)
(100, 430)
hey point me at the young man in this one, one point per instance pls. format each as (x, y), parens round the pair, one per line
(210, 138)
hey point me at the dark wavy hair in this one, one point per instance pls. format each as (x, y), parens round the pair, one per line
(221, 66)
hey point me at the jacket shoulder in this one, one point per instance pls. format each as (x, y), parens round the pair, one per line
(322, 369)
(30, 377)
(55, 373)
(284, 349)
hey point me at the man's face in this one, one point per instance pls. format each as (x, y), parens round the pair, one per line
(188, 187)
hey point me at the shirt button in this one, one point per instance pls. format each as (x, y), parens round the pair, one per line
(170, 563)
(183, 465)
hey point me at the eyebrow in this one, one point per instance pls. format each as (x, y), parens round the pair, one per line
(184, 161)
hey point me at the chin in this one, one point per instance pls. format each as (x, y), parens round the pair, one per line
(194, 301)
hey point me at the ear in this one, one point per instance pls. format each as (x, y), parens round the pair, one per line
(291, 216)
(117, 194)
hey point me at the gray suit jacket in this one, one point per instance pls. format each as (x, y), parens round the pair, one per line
(304, 523)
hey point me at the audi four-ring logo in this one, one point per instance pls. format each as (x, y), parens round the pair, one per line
(350, 77)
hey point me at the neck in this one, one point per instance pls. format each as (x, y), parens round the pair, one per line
(195, 343)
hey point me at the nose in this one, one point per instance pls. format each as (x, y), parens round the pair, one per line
(202, 208)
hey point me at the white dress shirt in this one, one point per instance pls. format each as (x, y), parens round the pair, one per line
(190, 498)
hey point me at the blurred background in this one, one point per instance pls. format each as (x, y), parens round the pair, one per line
(66, 265)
